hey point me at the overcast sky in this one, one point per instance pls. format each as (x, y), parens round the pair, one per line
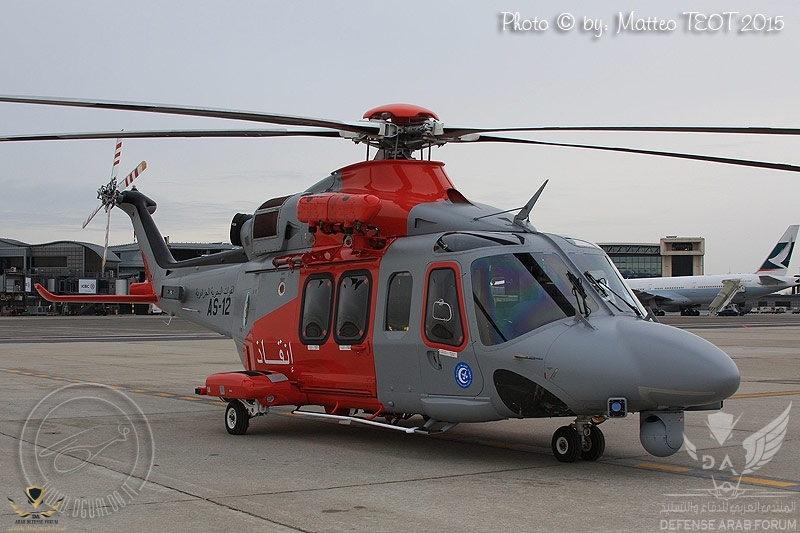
(336, 60)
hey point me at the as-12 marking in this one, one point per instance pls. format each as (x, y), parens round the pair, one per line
(219, 306)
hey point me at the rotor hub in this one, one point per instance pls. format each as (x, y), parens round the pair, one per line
(404, 129)
(400, 113)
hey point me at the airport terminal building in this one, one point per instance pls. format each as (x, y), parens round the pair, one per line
(73, 267)
(672, 256)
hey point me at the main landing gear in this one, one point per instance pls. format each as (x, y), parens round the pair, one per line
(238, 414)
(582, 437)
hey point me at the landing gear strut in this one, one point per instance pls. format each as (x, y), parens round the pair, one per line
(582, 437)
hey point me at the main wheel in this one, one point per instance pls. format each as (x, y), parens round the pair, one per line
(594, 445)
(566, 444)
(237, 419)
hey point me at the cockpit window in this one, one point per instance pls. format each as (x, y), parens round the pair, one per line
(607, 282)
(560, 273)
(513, 295)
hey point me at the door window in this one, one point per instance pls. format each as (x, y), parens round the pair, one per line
(352, 307)
(443, 321)
(316, 313)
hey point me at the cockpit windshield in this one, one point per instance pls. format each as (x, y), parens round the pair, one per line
(607, 282)
(514, 294)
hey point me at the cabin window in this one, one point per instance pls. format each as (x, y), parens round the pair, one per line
(514, 295)
(398, 302)
(352, 307)
(443, 323)
(316, 312)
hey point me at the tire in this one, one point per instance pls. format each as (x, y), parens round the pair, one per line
(594, 445)
(566, 444)
(237, 419)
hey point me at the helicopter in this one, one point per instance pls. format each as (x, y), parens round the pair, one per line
(382, 296)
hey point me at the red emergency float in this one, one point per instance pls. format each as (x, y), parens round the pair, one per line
(269, 388)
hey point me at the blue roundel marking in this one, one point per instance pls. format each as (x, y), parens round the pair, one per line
(463, 375)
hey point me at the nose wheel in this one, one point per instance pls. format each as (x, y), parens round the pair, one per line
(583, 438)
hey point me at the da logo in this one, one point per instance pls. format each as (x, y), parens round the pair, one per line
(35, 497)
(759, 448)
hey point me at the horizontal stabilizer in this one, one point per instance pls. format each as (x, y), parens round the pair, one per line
(729, 289)
(141, 296)
(773, 280)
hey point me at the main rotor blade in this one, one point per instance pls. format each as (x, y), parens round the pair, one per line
(749, 130)
(694, 157)
(230, 114)
(162, 134)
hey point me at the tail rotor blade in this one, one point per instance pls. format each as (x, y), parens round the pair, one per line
(117, 154)
(105, 246)
(97, 210)
(132, 176)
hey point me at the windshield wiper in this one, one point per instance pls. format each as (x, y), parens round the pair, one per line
(604, 289)
(580, 294)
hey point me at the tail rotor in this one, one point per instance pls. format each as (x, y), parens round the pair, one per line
(109, 193)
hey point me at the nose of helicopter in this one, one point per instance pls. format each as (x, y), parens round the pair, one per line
(653, 365)
(684, 369)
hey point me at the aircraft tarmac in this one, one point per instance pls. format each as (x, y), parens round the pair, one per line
(100, 411)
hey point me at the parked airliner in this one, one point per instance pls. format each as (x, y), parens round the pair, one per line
(687, 293)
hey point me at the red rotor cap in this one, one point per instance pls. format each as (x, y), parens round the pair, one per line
(401, 113)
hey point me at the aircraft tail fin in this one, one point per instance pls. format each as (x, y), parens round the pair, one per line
(777, 262)
(157, 257)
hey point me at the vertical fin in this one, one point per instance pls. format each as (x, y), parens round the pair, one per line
(777, 262)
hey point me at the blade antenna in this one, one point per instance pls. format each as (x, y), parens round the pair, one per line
(524, 213)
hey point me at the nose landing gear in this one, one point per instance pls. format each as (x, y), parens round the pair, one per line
(582, 437)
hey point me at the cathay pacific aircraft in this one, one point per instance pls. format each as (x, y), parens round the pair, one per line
(687, 293)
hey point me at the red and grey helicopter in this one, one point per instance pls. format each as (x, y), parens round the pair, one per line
(381, 293)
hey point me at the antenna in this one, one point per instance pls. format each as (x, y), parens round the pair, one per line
(523, 214)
